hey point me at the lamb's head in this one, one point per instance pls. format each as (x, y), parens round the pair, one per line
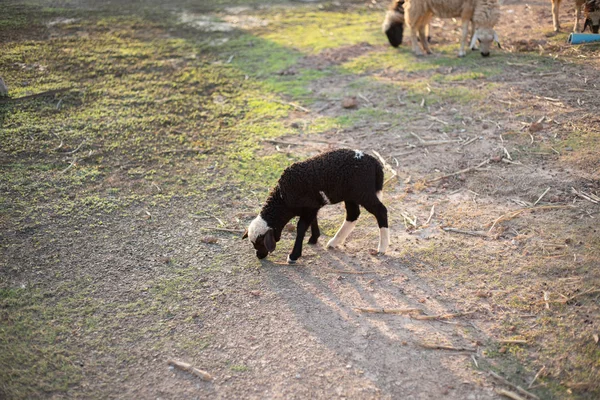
(486, 38)
(262, 237)
(393, 25)
(592, 21)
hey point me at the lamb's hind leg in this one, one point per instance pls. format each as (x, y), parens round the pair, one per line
(314, 232)
(352, 213)
(578, 5)
(463, 38)
(380, 212)
(555, 9)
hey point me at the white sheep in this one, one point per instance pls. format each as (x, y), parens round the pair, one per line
(483, 14)
(340, 175)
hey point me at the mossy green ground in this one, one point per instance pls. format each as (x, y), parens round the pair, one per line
(155, 111)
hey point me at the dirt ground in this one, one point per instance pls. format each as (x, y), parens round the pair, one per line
(123, 253)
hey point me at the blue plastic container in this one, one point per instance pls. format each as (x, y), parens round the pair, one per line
(578, 38)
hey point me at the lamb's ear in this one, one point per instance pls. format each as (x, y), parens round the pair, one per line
(473, 40)
(245, 234)
(497, 39)
(270, 240)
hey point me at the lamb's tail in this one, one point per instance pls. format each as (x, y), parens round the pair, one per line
(393, 25)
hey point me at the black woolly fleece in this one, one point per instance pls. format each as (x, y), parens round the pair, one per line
(342, 175)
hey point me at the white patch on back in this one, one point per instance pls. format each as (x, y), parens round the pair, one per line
(358, 154)
(325, 198)
(257, 227)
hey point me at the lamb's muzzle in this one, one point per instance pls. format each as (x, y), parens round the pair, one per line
(344, 175)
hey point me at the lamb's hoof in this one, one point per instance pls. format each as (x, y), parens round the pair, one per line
(290, 261)
(461, 55)
(376, 253)
(313, 240)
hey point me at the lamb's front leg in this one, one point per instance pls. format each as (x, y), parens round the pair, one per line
(463, 38)
(415, 42)
(303, 224)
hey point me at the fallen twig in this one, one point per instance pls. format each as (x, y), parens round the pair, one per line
(424, 143)
(33, 96)
(223, 229)
(296, 106)
(388, 310)
(472, 233)
(443, 347)
(205, 376)
(430, 214)
(587, 196)
(178, 151)
(536, 376)
(513, 214)
(440, 316)
(462, 171)
(70, 166)
(542, 196)
(509, 394)
(76, 149)
(512, 341)
(512, 385)
(342, 271)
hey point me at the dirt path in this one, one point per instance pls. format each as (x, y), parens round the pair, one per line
(112, 267)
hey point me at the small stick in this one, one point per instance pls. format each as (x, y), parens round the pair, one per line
(364, 98)
(437, 119)
(224, 230)
(441, 316)
(404, 154)
(342, 271)
(513, 214)
(61, 142)
(70, 166)
(510, 395)
(472, 233)
(468, 142)
(33, 96)
(296, 106)
(443, 347)
(178, 151)
(517, 388)
(387, 310)
(462, 171)
(546, 299)
(513, 341)
(430, 214)
(74, 151)
(205, 376)
(536, 376)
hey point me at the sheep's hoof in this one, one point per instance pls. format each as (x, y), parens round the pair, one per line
(374, 252)
(313, 240)
(461, 55)
(290, 261)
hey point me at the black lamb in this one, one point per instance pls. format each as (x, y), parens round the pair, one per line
(591, 12)
(329, 178)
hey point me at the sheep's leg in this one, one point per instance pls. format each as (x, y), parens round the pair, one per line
(415, 42)
(577, 16)
(423, 39)
(352, 213)
(463, 39)
(380, 212)
(555, 8)
(314, 232)
(303, 223)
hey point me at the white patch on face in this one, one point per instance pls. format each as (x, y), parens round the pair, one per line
(257, 227)
(325, 198)
(358, 154)
(379, 195)
(384, 240)
(342, 234)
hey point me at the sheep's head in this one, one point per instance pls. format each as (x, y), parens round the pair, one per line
(486, 38)
(593, 21)
(262, 237)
